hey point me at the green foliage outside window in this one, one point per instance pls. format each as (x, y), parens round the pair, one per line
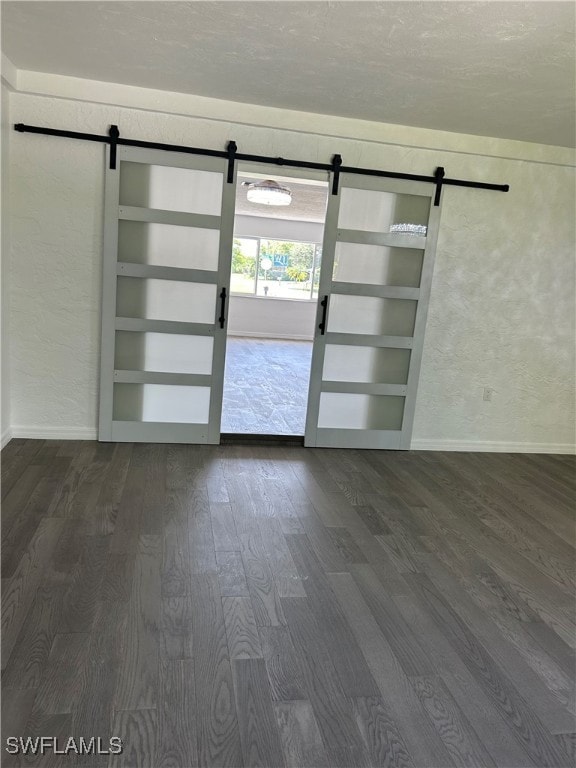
(300, 259)
(242, 264)
(294, 268)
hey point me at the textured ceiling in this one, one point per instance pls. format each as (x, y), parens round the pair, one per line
(502, 69)
(308, 200)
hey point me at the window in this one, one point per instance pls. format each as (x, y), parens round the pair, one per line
(244, 260)
(275, 268)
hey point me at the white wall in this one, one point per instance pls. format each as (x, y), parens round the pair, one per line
(281, 229)
(271, 318)
(4, 276)
(502, 307)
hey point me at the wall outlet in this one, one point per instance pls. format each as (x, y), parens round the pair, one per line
(487, 393)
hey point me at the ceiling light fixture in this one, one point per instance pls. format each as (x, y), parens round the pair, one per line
(268, 193)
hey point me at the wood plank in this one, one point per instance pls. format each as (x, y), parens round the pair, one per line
(422, 741)
(560, 568)
(231, 576)
(381, 734)
(282, 665)
(176, 739)
(17, 536)
(261, 584)
(528, 684)
(103, 518)
(80, 488)
(261, 745)
(217, 723)
(16, 709)
(463, 686)
(285, 573)
(176, 568)
(154, 491)
(65, 556)
(58, 726)
(567, 742)
(128, 519)
(60, 689)
(13, 471)
(553, 645)
(527, 728)
(200, 538)
(80, 599)
(241, 629)
(399, 552)
(18, 497)
(94, 710)
(20, 591)
(333, 710)
(352, 669)
(176, 641)
(138, 731)
(27, 664)
(223, 527)
(406, 647)
(299, 734)
(454, 729)
(323, 545)
(346, 546)
(137, 685)
(117, 578)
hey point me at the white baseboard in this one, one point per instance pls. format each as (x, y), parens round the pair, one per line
(259, 335)
(5, 437)
(486, 446)
(422, 444)
(54, 433)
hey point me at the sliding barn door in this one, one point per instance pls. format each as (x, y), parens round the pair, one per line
(373, 301)
(169, 222)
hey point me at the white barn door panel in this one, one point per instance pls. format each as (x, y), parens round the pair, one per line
(373, 302)
(169, 221)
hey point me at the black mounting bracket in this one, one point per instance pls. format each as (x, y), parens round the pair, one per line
(231, 150)
(336, 164)
(438, 176)
(114, 134)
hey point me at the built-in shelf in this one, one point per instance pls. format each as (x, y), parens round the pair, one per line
(389, 239)
(151, 271)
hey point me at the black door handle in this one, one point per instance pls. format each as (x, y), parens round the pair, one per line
(324, 305)
(222, 318)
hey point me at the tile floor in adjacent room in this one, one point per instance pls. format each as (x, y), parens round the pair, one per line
(266, 386)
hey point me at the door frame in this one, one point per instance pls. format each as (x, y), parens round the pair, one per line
(249, 168)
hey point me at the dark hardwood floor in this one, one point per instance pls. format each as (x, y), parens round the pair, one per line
(280, 606)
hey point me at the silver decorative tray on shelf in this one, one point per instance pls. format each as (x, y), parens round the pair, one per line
(409, 229)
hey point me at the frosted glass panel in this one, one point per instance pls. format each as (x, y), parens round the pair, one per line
(164, 352)
(377, 265)
(161, 402)
(167, 245)
(375, 211)
(381, 317)
(166, 300)
(342, 411)
(372, 365)
(170, 189)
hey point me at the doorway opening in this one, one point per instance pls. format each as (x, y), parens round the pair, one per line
(275, 274)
